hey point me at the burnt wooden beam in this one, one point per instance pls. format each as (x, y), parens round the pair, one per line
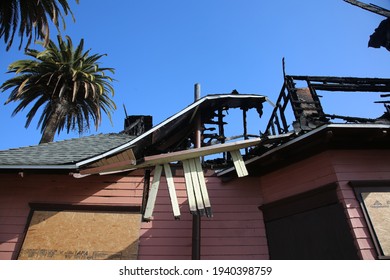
(350, 119)
(329, 83)
(352, 88)
(154, 160)
(370, 7)
(332, 79)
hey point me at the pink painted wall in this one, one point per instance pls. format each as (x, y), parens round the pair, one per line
(359, 165)
(235, 232)
(331, 166)
(299, 177)
(16, 193)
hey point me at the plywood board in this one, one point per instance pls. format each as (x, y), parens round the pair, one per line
(81, 235)
(378, 209)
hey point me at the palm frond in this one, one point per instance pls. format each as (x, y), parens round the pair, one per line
(65, 83)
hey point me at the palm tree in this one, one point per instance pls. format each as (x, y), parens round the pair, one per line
(68, 83)
(31, 16)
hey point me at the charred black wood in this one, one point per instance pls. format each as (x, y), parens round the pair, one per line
(370, 7)
(352, 119)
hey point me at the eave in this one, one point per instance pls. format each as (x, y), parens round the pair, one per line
(330, 136)
(168, 128)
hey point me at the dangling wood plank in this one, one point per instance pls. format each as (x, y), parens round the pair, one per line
(153, 192)
(189, 187)
(196, 186)
(172, 191)
(203, 188)
(239, 163)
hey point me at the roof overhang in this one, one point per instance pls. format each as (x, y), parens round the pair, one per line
(171, 157)
(173, 129)
(330, 136)
(39, 167)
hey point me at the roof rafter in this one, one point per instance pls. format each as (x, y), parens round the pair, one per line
(370, 7)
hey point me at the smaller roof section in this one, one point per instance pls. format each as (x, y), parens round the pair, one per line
(102, 149)
(62, 154)
(176, 132)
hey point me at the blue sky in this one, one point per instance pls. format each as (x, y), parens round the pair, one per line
(160, 49)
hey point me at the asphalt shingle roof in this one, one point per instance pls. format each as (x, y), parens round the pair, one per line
(63, 152)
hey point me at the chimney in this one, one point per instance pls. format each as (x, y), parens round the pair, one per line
(136, 125)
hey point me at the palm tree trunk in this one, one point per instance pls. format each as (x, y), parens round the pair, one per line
(52, 125)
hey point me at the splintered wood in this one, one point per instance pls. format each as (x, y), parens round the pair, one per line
(154, 189)
(198, 197)
(80, 235)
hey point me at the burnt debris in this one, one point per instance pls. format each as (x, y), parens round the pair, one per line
(306, 105)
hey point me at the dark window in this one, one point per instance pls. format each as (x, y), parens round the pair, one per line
(309, 226)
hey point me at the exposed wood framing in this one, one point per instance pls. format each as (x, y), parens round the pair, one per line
(174, 156)
(370, 7)
(306, 104)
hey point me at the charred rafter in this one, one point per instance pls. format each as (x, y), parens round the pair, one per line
(306, 104)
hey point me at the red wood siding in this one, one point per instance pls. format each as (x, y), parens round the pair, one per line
(236, 231)
(16, 193)
(339, 166)
(354, 166)
(297, 178)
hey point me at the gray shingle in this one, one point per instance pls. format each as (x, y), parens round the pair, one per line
(63, 152)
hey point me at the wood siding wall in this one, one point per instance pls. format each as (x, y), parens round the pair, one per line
(297, 178)
(339, 166)
(16, 193)
(237, 229)
(235, 232)
(354, 166)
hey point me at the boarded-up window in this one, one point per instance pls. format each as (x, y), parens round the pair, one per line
(374, 197)
(378, 209)
(81, 235)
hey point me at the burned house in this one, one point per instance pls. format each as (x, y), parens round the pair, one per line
(312, 187)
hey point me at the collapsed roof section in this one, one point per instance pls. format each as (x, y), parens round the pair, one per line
(176, 133)
(311, 128)
(307, 108)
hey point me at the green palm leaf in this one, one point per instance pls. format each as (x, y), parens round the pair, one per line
(31, 19)
(66, 83)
